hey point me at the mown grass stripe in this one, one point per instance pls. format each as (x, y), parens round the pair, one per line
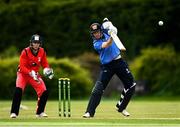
(79, 123)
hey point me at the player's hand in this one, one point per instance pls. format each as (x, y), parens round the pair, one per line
(109, 26)
(106, 25)
(48, 72)
(33, 74)
(113, 30)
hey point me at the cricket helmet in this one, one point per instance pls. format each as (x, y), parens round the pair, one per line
(95, 27)
(36, 39)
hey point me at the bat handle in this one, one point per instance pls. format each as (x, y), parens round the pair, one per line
(105, 19)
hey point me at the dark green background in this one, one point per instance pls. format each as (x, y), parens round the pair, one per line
(152, 50)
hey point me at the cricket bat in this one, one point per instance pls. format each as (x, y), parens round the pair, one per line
(118, 42)
(115, 37)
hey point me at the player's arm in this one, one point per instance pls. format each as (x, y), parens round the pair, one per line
(44, 62)
(108, 26)
(107, 43)
(112, 31)
(24, 66)
(47, 71)
(24, 63)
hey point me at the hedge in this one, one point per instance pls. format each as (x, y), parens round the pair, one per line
(65, 24)
(81, 82)
(159, 68)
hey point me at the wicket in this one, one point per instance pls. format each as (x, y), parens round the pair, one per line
(64, 93)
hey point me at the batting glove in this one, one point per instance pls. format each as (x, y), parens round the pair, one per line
(107, 25)
(112, 29)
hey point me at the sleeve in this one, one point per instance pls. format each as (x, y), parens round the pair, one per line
(105, 31)
(44, 62)
(24, 63)
(97, 45)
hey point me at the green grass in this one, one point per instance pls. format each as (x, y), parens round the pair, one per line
(143, 113)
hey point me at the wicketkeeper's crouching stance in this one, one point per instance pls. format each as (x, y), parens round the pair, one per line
(31, 59)
(111, 63)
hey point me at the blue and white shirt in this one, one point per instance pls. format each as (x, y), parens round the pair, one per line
(106, 54)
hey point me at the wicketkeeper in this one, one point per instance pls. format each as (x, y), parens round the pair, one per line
(111, 63)
(31, 59)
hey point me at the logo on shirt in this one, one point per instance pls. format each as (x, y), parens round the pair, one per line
(127, 70)
(105, 71)
(39, 59)
(33, 64)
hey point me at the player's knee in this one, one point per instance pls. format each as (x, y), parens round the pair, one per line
(98, 88)
(42, 102)
(43, 97)
(18, 91)
(130, 79)
(41, 93)
(131, 89)
(45, 93)
(133, 85)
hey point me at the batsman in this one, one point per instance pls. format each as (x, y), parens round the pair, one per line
(111, 63)
(31, 59)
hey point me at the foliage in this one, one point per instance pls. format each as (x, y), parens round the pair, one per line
(65, 24)
(91, 62)
(8, 70)
(80, 79)
(9, 52)
(159, 67)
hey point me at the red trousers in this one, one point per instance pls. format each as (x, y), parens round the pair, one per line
(24, 79)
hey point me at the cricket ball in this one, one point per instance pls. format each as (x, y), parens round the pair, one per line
(160, 23)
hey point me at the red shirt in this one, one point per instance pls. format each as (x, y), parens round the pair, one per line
(29, 61)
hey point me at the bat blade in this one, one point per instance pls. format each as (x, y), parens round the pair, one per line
(118, 42)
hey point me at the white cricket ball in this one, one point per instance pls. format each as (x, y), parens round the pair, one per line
(160, 23)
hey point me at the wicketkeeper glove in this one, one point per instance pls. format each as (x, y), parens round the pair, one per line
(48, 72)
(33, 74)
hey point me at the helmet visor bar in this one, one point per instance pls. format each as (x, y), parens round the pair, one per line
(94, 28)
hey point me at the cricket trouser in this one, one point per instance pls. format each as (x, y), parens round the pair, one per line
(118, 67)
(24, 79)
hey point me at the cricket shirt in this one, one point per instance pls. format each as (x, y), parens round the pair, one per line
(29, 61)
(106, 54)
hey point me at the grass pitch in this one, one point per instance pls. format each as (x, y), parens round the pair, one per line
(143, 114)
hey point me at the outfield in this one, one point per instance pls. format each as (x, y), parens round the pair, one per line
(143, 113)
